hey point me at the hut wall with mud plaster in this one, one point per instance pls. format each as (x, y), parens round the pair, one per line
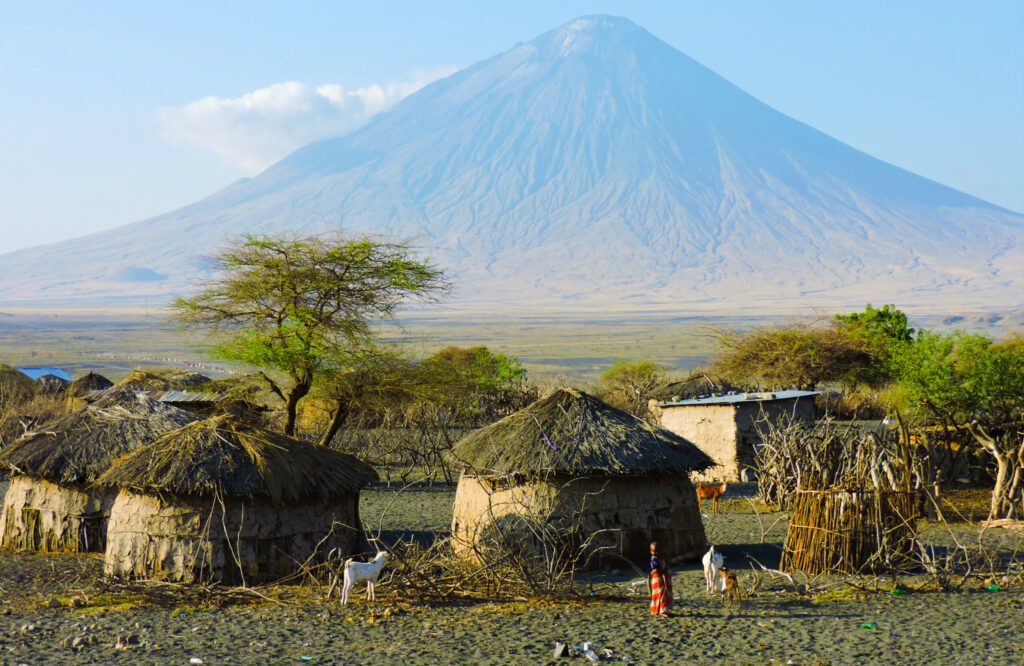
(43, 516)
(232, 540)
(623, 515)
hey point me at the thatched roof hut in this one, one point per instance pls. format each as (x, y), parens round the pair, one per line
(570, 459)
(49, 505)
(52, 385)
(15, 386)
(221, 499)
(183, 380)
(140, 380)
(88, 383)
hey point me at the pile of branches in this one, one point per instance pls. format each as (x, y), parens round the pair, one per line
(402, 448)
(435, 572)
(822, 455)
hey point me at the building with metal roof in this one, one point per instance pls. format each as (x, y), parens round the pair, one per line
(726, 427)
(736, 398)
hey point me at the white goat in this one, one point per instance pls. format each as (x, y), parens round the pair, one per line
(360, 571)
(713, 563)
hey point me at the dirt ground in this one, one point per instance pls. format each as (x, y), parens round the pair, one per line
(59, 610)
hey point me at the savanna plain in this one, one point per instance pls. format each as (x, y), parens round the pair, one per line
(58, 609)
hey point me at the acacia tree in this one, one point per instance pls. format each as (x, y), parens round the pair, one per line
(855, 350)
(629, 385)
(474, 385)
(372, 381)
(289, 303)
(970, 382)
(794, 357)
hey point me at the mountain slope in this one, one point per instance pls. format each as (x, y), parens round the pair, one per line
(594, 165)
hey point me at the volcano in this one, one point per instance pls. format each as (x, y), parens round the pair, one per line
(595, 166)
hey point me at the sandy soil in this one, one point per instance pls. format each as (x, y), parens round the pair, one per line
(970, 626)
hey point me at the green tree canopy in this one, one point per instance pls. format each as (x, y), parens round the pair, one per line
(629, 385)
(289, 303)
(885, 324)
(372, 382)
(793, 357)
(962, 377)
(475, 384)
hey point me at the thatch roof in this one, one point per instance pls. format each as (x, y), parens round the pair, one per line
(77, 448)
(88, 383)
(182, 380)
(222, 455)
(14, 385)
(571, 432)
(140, 380)
(52, 385)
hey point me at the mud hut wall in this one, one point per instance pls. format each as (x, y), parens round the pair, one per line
(625, 513)
(480, 501)
(42, 516)
(712, 428)
(189, 539)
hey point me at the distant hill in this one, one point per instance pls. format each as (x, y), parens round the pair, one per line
(594, 166)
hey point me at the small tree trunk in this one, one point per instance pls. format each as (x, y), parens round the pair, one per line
(995, 510)
(338, 419)
(297, 393)
(1007, 495)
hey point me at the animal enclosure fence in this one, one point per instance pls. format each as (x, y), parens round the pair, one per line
(850, 531)
(853, 496)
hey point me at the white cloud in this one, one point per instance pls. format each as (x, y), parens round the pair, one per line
(260, 127)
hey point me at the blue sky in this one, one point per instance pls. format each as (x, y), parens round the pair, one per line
(101, 124)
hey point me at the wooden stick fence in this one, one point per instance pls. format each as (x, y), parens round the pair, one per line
(849, 531)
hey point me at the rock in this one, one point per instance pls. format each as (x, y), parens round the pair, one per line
(126, 642)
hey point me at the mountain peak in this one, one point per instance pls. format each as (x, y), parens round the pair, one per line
(588, 33)
(595, 165)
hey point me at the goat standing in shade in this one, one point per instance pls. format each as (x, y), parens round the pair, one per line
(356, 572)
(713, 562)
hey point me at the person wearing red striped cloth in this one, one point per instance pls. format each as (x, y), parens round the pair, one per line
(660, 582)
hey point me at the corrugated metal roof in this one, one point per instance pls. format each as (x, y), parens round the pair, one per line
(172, 397)
(180, 396)
(735, 398)
(35, 372)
